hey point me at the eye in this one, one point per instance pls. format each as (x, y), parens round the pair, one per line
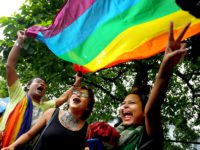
(122, 103)
(132, 102)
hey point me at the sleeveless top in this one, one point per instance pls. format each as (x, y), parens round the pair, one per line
(57, 137)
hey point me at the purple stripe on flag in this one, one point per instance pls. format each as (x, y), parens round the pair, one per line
(68, 14)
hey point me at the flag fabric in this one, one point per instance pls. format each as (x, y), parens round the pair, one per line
(19, 121)
(97, 34)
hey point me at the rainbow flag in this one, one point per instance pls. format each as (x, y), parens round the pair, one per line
(19, 121)
(97, 34)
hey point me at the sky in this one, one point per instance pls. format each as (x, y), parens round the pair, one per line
(8, 7)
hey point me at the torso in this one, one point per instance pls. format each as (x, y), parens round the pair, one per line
(57, 136)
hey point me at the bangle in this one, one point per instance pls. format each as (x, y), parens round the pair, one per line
(18, 44)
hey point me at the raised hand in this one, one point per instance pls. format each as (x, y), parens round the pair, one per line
(21, 36)
(175, 50)
(79, 78)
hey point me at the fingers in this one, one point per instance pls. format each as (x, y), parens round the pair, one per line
(79, 74)
(183, 32)
(183, 45)
(20, 32)
(180, 52)
(21, 35)
(171, 33)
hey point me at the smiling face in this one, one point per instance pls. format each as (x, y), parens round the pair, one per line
(37, 88)
(131, 111)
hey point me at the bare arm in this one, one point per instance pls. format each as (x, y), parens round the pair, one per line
(64, 97)
(173, 54)
(13, 57)
(23, 139)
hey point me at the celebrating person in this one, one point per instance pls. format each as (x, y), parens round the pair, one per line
(25, 107)
(141, 123)
(68, 127)
(140, 114)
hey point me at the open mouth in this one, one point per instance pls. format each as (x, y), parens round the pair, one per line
(40, 89)
(76, 100)
(127, 115)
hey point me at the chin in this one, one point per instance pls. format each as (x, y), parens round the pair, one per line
(127, 123)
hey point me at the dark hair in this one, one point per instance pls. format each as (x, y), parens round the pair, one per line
(192, 6)
(88, 111)
(143, 92)
(30, 82)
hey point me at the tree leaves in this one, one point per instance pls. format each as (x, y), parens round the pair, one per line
(180, 109)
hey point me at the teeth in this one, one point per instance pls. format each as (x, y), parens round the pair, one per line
(127, 117)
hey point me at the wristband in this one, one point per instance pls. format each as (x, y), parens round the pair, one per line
(18, 44)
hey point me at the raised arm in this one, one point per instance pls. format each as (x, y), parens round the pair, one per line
(13, 57)
(64, 97)
(173, 54)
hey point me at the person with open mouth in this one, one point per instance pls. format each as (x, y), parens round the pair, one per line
(65, 128)
(141, 127)
(27, 104)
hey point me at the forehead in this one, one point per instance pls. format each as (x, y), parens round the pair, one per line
(133, 97)
(38, 80)
(82, 90)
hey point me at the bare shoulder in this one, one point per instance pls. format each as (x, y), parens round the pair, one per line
(48, 113)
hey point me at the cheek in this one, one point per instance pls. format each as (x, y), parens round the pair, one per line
(85, 102)
(120, 111)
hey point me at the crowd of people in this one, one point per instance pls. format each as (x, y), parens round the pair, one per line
(28, 119)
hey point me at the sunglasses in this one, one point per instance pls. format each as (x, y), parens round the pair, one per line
(81, 94)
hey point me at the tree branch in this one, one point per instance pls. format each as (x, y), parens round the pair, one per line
(104, 90)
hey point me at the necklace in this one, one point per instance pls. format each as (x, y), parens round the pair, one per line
(69, 121)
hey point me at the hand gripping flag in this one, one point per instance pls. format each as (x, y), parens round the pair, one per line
(98, 34)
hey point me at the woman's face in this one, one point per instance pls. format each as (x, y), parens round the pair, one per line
(79, 100)
(131, 111)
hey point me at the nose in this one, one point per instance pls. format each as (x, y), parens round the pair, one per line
(125, 105)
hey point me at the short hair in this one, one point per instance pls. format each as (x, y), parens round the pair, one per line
(30, 82)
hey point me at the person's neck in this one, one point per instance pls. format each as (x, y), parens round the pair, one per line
(35, 99)
(70, 121)
(76, 114)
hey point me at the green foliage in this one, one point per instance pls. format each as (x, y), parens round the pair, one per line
(3, 88)
(182, 105)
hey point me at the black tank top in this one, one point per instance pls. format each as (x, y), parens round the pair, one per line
(57, 137)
